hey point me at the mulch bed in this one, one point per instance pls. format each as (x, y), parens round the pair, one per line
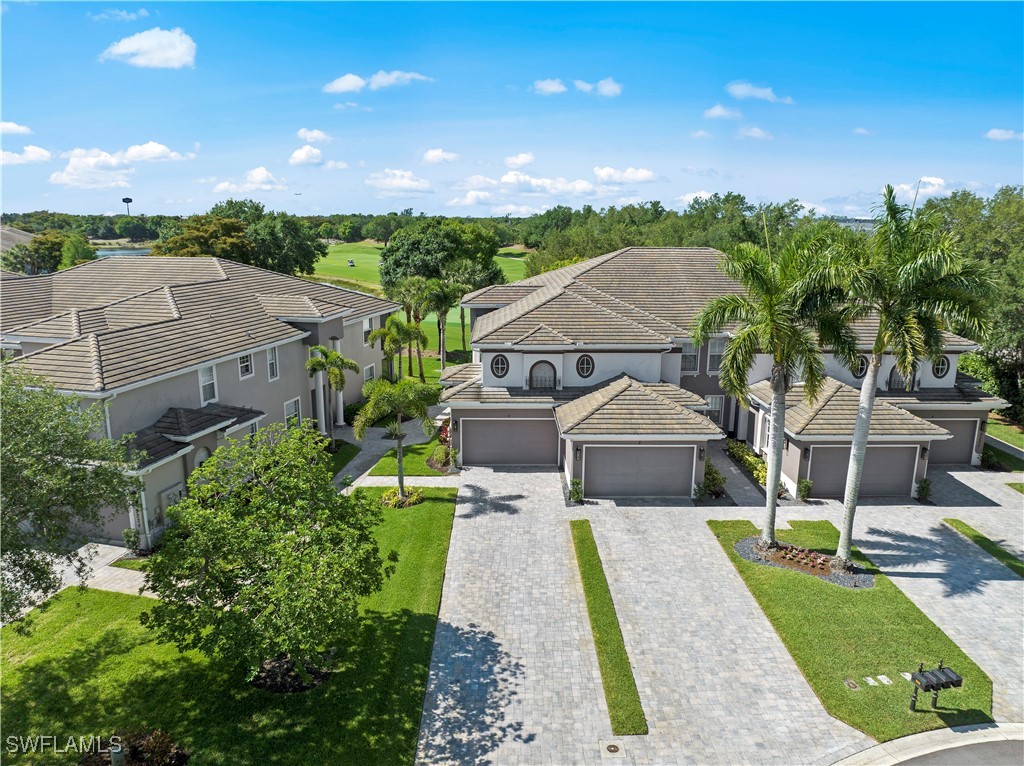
(447, 469)
(807, 562)
(147, 748)
(280, 677)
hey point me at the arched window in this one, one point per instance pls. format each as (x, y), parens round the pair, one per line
(542, 375)
(585, 366)
(898, 383)
(499, 366)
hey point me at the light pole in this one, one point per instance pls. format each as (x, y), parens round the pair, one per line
(127, 203)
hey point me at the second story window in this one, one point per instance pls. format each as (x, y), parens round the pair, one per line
(941, 368)
(245, 366)
(367, 329)
(499, 366)
(272, 371)
(585, 366)
(860, 367)
(715, 350)
(690, 358)
(716, 403)
(208, 384)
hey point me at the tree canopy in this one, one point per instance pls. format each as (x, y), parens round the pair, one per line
(41, 255)
(427, 248)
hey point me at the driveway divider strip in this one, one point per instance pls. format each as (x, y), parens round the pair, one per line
(991, 547)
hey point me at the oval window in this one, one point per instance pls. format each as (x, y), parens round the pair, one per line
(499, 366)
(585, 366)
(860, 367)
(941, 367)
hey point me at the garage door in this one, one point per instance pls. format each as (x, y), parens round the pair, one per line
(509, 442)
(888, 471)
(959, 449)
(637, 471)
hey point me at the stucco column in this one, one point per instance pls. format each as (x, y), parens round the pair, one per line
(339, 396)
(321, 416)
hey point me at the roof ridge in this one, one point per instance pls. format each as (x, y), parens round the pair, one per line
(76, 323)
(624, 381)
(175, 311)
(557, 290)
(97, 361)
(540, 326)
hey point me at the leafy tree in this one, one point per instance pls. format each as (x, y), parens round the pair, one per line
(209, 236)
(57, 480)
(76, 249)
(333, 365)
(327, 230)
(383, 227)
(285, 244)
(778, 313)
(265, 560)
(41, 255)
(912, 278)
(134, 228)
(408, 399)
(248, 211)
(429, 247)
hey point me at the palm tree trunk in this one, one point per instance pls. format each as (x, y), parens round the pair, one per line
(401, 468)
(408, 320)
(462, 316)
(858, 449)
(419, 359)
(400, 350)
(442, 328)
(330, 410)
(775, 440)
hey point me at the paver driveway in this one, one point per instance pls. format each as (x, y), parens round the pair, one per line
(514, 676)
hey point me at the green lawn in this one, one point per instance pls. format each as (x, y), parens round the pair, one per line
(341, 458)
(414, 459)
(624, 708)
(139, 565)
(836, 633)
(1017, 485)
(991, 547)
(88, 667)
(1005, 430)
(1007, 461)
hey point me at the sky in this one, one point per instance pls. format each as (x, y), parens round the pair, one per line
(499, 108)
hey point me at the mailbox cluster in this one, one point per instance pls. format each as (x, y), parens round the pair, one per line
(933, 681)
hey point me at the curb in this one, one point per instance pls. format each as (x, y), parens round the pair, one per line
(899, 750)
(999, 444)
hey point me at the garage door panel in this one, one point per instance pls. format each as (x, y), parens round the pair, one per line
(509, 442)
(888, 471)
(959, 449)
(638, 471)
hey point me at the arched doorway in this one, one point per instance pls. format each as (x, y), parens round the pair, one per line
(542, 375)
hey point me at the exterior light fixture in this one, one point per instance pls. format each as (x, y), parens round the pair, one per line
(579, 452)
(702, 453)
(807, 454)
(924, 453)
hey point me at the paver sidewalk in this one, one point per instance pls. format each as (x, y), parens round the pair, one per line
(107, 577)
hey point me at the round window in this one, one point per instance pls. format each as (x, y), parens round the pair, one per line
(860, 367)
(499, 366)
(585, 366)
(941, 367)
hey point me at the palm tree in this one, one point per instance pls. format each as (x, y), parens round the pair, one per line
(441, 297)
(409, 292)
(912, 278)
(776, 315)
(407, 399)
(329, 361)
(395, 334)
(466, 272)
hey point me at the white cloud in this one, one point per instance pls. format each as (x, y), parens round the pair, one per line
(98, 169)
(116, 15)
(13, 128)
(477, 182)
(700, 134)
(627, 176)
(720, 112)
(549, 87)
(313, 136)
(206, 180)
(742, 90)
(473, 197)
(1001, 134)
(335, 165)
(347, 83)
(29, 154)
(813, 207)
(257, 179)
(154, 49)
(608, 87)
(754, 132)
(516, 210)
(396, 183)
(583, 85)
(384, 79)
(437, 156)
(861, 132)
(928, 186)
(520, 160)
(686, 199)
(693, 170)
(349, 105)
(306, 155)
(546, 185)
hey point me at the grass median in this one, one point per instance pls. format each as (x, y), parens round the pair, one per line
(624, 708)
(991, 547)
(835, 633)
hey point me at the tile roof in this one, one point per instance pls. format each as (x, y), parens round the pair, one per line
(460, 373)
(152, 447)
(130, 318)
(628, 407)
(473, 391)
(183, 422)
(834, 413)
(500, 295)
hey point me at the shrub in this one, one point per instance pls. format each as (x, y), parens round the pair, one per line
(439, 456)
(803, 489)
(989, 461)
(131, 540)
(391, 499)
(713, 484)
(745, 456)
(453, 456)
(351, 410)
(924, 490)
(576, 491)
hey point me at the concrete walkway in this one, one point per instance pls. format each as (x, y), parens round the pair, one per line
(410, 481)
(740, 487)
(949, 746)
(103, 576)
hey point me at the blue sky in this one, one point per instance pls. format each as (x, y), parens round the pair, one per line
(481, 109)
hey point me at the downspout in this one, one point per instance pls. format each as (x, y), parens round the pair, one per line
(321, 416)
(145, 517)
(339, 395)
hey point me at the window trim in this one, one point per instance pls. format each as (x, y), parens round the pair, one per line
(202, 385)
(504, 360)
(367, 329)
(253, 429)
(252, 367)
(554, 376)
(297, 401)
(373, 373)
(711, 345)
(695, 353)
(585, 358)
(935, 364)
(710, 409)
(862, 359)
(273, 369)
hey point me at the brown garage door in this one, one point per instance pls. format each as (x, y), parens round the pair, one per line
(959, 449)
(509, 442)
(888, 471)
(637, 471)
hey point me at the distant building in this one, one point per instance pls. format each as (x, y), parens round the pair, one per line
(9, 237)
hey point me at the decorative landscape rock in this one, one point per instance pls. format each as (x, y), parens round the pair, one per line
(803, 561)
